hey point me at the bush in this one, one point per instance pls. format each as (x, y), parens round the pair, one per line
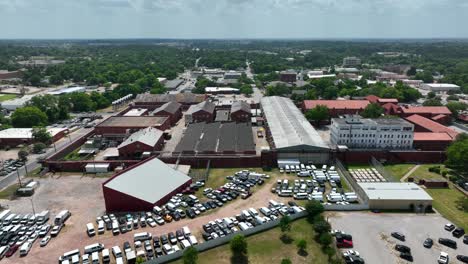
(329, 251)
(23, 155)
(190, 256)
(434, 169)
(453, 178)
(266, 168)
(238, 245)
(39, 148)
(286, 261)
(444, 174)
(314, 208)
(325, 239)
(322, 227)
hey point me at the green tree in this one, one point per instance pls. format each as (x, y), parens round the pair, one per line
(432, 102)
(431, 95)
(285, 226)
(56, 80)
(456, 107)
(238, 245)
(190, 256)
(322, 226)
(28, 116)
(99, 100)
(23, 154)
(246, 89)
(372, 110)
(325, 239)
(317, 114)
(311, 94)
(40, 134)
(286, 261)
(35, 80)
(411, 71)
(38, 148)
(278, 89)
(425, 76)
(457, 155)
(140, 260)
(314, 208)
(81, 102)
(301, 245)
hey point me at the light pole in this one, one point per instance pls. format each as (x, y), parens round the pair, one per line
(32, 205)
(19, 178)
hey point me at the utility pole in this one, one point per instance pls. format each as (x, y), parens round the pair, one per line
(32, 205)
(19, 178)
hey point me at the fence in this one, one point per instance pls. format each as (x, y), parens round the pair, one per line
(224, 240)
(381, 169)
(349, 179)
(346, 207)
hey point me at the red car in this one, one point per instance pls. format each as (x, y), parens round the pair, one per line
(188, 191)
(344, 243)
(12, 250)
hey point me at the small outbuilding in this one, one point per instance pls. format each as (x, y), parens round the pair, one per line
(146, 140)
(240, 111)
(172, 110)
(202, 112)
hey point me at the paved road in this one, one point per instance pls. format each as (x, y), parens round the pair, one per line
(32, 164)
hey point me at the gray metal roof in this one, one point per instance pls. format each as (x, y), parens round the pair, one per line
(148, 136)
(203, 106)
(170, 107)
(149, 181)
(163, 98)
(240, 105)
(172, 84)
(288, 126)
(222, 116)
(394, 191)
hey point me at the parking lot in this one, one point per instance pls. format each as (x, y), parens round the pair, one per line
(371, 235)
(82, 195)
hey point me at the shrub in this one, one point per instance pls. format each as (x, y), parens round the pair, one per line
(238, 245)
(38, 148)
(329, 251)
(286, 261)
(322, 227)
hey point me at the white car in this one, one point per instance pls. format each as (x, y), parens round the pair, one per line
(151, 222)
(44, 241)
(443, 258)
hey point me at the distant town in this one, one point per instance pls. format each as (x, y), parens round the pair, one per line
(225, 151)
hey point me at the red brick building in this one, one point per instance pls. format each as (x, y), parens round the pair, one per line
(381, 101)
(153, 101)
(172, 110)
(429, 141)
(146, 140)
(121, 126)
(422, 124)
(425, 111)
(337, 107)
(202, 112)
(143, 186)
(240, 112)
(13, 137)
(288, 76)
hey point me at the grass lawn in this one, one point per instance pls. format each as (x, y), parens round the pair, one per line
(399, 170)
(266, 247)
(9, 191)
(72, 156)
(5, 97)
(423, 173)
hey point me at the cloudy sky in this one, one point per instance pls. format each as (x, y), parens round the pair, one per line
(233, 18)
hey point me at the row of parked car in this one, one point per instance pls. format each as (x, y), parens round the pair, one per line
(145, 246)
(20, 232)
(10, 165)
(247, 219)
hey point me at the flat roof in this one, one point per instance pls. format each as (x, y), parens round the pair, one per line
(430, 136)
(426, 110)
(337, 104)
(395, 191)
(217, 137)
(288, 126)
(136, 112)
(26, 133)
(133, 121)
(188, 98)
(68, 90)
(150, 180)
(441, 85)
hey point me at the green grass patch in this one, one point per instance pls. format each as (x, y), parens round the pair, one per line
(6, 97)
(266, 247)
(399, 170)
(9, 192)
(423, 173)
(73, 156)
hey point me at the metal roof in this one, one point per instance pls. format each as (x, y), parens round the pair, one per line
(206, 106)
(170, 107)
(240, 106)
(149, 180)
(395, 191)
(288, 126)
(133, 121)
(163, 98)
(148, 136)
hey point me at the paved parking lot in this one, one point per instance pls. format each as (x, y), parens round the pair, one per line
(371, 235)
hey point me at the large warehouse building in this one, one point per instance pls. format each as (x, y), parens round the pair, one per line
(121, 126)
(292, 135)
(217, 138)
(396, 196)
(141, 187)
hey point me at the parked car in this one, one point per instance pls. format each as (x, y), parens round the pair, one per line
(428, 243)
(56, 230)
(398, 236)
(462, 258)
(443, 258)
(465, 239)
(45, 241)
(448, 242)
(406, 256)
(402, 248)
(449, 227)
(458, 232)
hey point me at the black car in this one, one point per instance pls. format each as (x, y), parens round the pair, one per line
(462, 258)
(206, 236)
(398, 236)
(158, 251)
(465, 239)
(190, 213)
(164, 239)
(172, 237)
(402, 248)
(428, 243)
(291, 203)
(156, 242)
(176, 216)
(406, 256)
(126, 245)
(448, 242)
(458, 232)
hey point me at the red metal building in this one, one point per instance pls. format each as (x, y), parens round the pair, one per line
(337, 107)
(202, 112)
(240, 112)
(172, 110)
(120, 126)
(146, 140)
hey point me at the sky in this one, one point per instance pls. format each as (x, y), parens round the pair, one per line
(318, 19)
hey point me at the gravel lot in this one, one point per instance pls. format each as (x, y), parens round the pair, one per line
(83, 197)
(371, 235)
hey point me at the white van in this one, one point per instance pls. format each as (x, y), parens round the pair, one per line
(69, 254)
(186, 231)
(246, 214)
(105, 256)
(96, 247)
(157, 210)
(24, 250)
(171, 206)
(253, 212)
(274, 204)
(243, 226)
(265, 211)
(300, 196)
(116, 252)
(259, 220)
(95, 257)
(286, 168)
(316, 198)
(142, 236)
(303, 174)
(62, 217)
(228, 222)
(193, 240)
(4, 214)
(115, 228)
(9, 219)
(90, 229)
(75, 259)
(286, 193)
(3, 250)
(184, 243)
(101, 227)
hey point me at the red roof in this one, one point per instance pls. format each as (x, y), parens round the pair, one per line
(337, 104)
(431, 125)
(388, 100)
(437, 117)
(429, 136)
(372, 98)
(390, 106)
(463, 117)
(435, 110)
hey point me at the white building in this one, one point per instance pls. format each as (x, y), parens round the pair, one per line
(12, 105)
(440, 87)
(379, 133)
(232, 75)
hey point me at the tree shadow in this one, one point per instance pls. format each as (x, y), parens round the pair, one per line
(239, 259)
(302, 253)
(286, 239)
